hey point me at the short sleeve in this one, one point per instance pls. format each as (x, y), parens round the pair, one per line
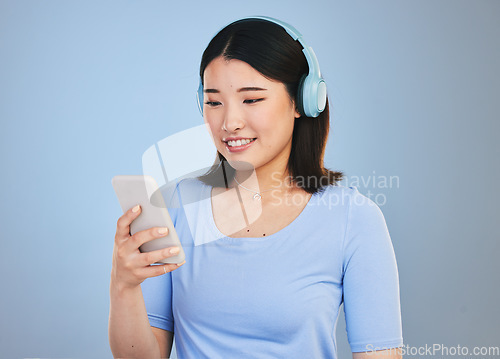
(370, 281)
(157, 293)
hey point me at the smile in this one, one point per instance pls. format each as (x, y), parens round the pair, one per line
(239, 145)
(240, 142)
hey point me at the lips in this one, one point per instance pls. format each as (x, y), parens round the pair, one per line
(239, 148)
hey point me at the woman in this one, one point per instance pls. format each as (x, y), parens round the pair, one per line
(273, 244)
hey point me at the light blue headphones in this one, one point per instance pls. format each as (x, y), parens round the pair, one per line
(312, 88)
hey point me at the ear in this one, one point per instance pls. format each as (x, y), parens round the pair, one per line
(297, 113)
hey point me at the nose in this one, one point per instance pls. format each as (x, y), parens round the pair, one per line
(233, 119)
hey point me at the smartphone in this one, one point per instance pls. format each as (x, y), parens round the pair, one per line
(143, 190)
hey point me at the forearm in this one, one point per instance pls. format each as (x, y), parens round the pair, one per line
(130, 334)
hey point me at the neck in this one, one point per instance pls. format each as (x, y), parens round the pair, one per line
(262, 180)
(271, 177)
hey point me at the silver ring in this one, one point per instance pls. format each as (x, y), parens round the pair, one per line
(165, 269)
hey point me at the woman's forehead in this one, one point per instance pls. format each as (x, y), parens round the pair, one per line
(233, 74)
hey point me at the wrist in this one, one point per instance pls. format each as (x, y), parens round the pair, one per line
(121, 289)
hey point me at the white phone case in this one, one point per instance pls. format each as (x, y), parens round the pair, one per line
(139, 189)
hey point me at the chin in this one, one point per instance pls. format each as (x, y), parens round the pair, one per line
(240, 165)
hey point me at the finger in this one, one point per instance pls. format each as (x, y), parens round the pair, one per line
(141, 237)
(158, 255)
(157, 270)
(123, 223)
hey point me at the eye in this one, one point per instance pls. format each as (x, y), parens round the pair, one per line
(253, 101)
(212, 103)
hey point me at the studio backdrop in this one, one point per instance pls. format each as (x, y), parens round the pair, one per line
(87, 87)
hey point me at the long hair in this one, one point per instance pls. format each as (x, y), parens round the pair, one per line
(270, 50)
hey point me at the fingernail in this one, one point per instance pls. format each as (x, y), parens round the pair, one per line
(135, 209)
(179, 264)
(163, 230)
(175, 250)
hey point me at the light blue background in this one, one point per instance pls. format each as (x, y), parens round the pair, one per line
(87, 86)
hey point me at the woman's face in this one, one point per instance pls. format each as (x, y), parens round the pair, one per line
(240, 104)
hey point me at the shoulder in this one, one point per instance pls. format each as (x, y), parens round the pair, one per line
(189, 184)
(366, 230)
(363, 212)
(341, 196)
(358, 207)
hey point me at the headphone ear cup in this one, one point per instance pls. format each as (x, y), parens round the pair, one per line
(314, 92)
(199, 97)
(322, 95)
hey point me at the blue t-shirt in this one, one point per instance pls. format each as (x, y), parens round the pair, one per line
(278, 296)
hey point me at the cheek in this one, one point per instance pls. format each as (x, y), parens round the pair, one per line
(275, 121)
(213, 131)
(212, 124)
(267, 119)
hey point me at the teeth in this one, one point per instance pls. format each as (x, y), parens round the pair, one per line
(239, 142)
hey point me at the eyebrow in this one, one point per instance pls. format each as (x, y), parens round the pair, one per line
(240, 90)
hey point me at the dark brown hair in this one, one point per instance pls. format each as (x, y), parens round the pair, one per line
(270, 50)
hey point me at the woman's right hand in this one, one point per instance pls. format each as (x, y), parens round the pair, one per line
(131, 267)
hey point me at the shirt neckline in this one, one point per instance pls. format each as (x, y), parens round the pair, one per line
(215, 230)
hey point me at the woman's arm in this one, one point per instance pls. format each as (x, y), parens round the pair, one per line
(130, 335)
(165, 339)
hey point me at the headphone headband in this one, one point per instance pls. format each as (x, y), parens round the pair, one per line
(311, 96)
(312, 61)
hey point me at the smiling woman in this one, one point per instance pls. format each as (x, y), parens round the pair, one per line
(270, 257)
